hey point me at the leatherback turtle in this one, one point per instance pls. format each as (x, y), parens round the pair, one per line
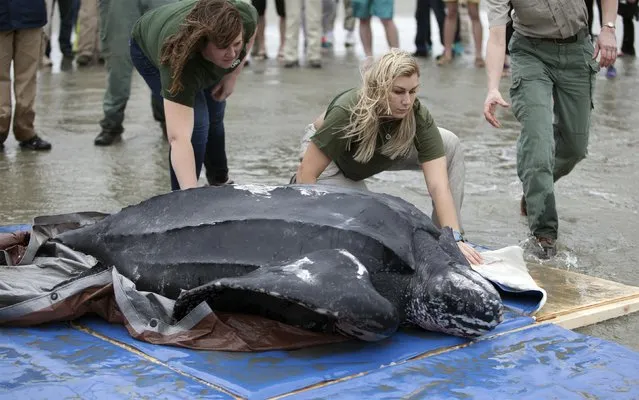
(322, 258)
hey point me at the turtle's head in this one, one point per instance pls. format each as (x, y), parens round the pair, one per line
(446, 295)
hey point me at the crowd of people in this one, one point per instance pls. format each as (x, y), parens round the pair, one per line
(191, 52)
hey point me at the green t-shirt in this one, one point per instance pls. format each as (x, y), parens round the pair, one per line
(330, 139)
(152, 30)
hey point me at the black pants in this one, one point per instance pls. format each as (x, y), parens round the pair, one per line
(68, 15)
(422, 15)
(260, 6)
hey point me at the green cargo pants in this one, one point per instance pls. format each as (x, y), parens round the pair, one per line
(551, 94)
(117, 18)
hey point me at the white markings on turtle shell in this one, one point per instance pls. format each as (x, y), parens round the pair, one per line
(310, 191)
(257, 189)
(297, 269)
(361, 269)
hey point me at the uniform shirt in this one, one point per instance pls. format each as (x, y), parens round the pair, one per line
(540, 18)
(330, 138)
(152, 30)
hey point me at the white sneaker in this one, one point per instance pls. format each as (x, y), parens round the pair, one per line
(350, 39)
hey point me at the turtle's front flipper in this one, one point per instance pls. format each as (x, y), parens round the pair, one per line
(327, 290)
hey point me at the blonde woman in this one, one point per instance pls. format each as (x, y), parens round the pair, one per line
(382, 126)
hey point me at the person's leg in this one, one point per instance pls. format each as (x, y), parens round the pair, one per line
(259, 47)
(449, 32)
(281, 12)
(293, 19)
(628, 42)
(27, 46)
(87, 31)
(116, 19)
(6, 57)
(439, 9)
(384, 9)
(573, 103)
(349, 19)
(473, 13)
(215, 162)
(362, 11)
(422, 36)
(314, 33)
(332, 174)
(329, 13)
(66, 27)
(531, 96)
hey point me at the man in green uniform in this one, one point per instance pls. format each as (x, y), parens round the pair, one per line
(553, 76)
(116, 21)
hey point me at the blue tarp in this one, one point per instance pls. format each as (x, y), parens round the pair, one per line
(544, 362)
(58, 361)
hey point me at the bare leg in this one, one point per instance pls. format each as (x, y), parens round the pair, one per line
(450, 25)
(366, 35)
(261, 24)
(473, 12)
(392, 37)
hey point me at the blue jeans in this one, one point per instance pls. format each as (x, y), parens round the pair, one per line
(208, 113)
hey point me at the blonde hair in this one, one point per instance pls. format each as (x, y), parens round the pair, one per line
(373, 103)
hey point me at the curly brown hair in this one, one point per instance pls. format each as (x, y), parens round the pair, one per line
(216, 21)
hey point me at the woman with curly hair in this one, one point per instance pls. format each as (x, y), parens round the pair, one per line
(382, 126)
(190, 53)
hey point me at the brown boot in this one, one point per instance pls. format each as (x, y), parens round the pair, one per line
(522, 207)
(548, 246)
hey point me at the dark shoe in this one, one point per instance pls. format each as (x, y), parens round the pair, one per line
(106, 138)
(1, 146)
(522, 207)
(35, 143)
(421, 53)
(317, 64)
(227, 182)
(292, 64)
(83, 60)
(548, 246)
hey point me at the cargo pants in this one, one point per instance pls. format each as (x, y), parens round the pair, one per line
(117, 18)
(551, 93)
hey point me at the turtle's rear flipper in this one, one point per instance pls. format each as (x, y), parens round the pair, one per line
(327, 291)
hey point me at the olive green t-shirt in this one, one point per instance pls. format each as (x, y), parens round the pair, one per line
(152, 30)
(330, 138)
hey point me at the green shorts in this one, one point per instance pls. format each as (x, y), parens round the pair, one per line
(382, 9)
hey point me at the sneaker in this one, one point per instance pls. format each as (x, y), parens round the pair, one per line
(458, 49)
(523, 210)
(83, 60)
(423, 53)
(106, 138)
(35, 143)
(350, 39)
(315, 64)
(548, 246)
(326, 42)
(611, 72)
(291, 64)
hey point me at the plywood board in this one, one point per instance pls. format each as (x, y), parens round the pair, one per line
(576, 300)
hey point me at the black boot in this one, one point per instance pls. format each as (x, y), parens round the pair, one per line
(106, 138)
(35, 143)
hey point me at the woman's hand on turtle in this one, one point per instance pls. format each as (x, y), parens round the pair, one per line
(472, 255)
